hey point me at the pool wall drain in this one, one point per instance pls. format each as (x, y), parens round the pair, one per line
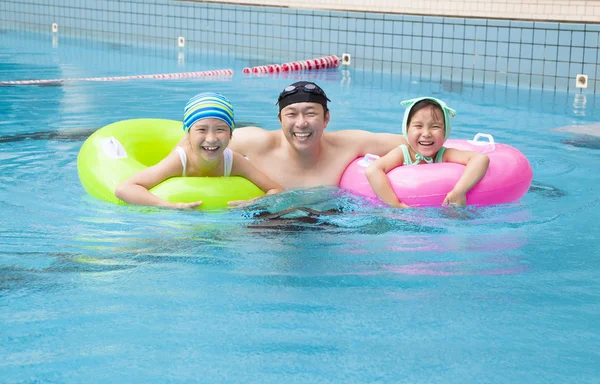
(304, 65)
(181, 75)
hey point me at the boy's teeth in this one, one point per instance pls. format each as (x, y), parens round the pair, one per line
(302, 134)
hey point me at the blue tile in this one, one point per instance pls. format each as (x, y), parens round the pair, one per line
(426, 58)
(564, 53)
(378, 40)
(513, 65)
(526, 51)
(470, 32)
(590, 69)
(538, 52)
(571, 26)
(418, 29)
(393, 17)
(387, 54)
(480, 47)
(418, 19)
(397, 41)
(490, 63)
(407, 28)
(415, 56)
(479, 62)
(591, 39)
(514, 50)
(527, 36)
(576, 54)
(334, 23)
(537, 66)
(498, 23)
(457, 46)
(436, 58)
(360, 25)
(369, 39)
(536, 81)
(457, 59)
(590, 55)
(454, 20)
(446, 59)
(427, 29)
(578, 39)
(387, 40)
(427, 43)
(438, 30)
(417, 42)
(480, 32)
(562, 69)
(469, 47)
(525, 66)
(575, 68)
(502, 49)
(397, 54)
(524, 80)
(377, 27)
(515, 35)
(398, 27)
(502, 64)
(564, 38)
(477, 22)
(447, 45)
(388, 27)
(503, 34)
(592, 27)
(459, 32)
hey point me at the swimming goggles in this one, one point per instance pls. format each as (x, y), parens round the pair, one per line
(308, 88)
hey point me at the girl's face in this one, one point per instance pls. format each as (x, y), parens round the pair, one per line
(209, 138)
(426, 131)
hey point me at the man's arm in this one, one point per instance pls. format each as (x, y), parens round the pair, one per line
(250, 140)
(369, 142)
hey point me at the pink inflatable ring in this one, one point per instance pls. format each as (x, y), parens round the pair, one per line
(507, 179)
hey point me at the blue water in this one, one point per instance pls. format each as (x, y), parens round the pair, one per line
(92, 292)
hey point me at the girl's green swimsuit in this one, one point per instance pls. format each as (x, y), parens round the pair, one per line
(418, 157)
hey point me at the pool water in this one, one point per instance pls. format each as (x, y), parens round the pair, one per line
(93, 292)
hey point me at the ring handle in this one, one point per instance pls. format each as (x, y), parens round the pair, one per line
(368, 159)
(478, 136)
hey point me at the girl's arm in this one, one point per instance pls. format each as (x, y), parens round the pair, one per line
(243, 167)
(476, 167)
(135, 190)
(377, 175)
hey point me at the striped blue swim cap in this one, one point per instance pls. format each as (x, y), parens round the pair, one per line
(208, 105)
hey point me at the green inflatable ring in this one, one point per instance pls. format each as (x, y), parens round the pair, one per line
(117, 151)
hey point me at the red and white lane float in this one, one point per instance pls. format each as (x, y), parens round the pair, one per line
(318, 63)
(180, 75)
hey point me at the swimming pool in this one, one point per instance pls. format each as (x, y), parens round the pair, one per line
(94, 292)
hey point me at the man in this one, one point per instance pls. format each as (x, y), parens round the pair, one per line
(301, 154)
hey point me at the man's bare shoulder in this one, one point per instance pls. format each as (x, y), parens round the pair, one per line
(253, 137)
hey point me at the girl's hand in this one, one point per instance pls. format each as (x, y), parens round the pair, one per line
(455, 198)
(399, 205)
(184, 205)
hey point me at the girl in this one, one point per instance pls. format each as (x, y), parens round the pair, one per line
(426, 126)
(208, 123)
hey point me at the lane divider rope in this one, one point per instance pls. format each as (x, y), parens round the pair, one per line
(181, 75)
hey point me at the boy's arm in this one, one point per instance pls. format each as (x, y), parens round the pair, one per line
(377, 175)
(476, 167)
